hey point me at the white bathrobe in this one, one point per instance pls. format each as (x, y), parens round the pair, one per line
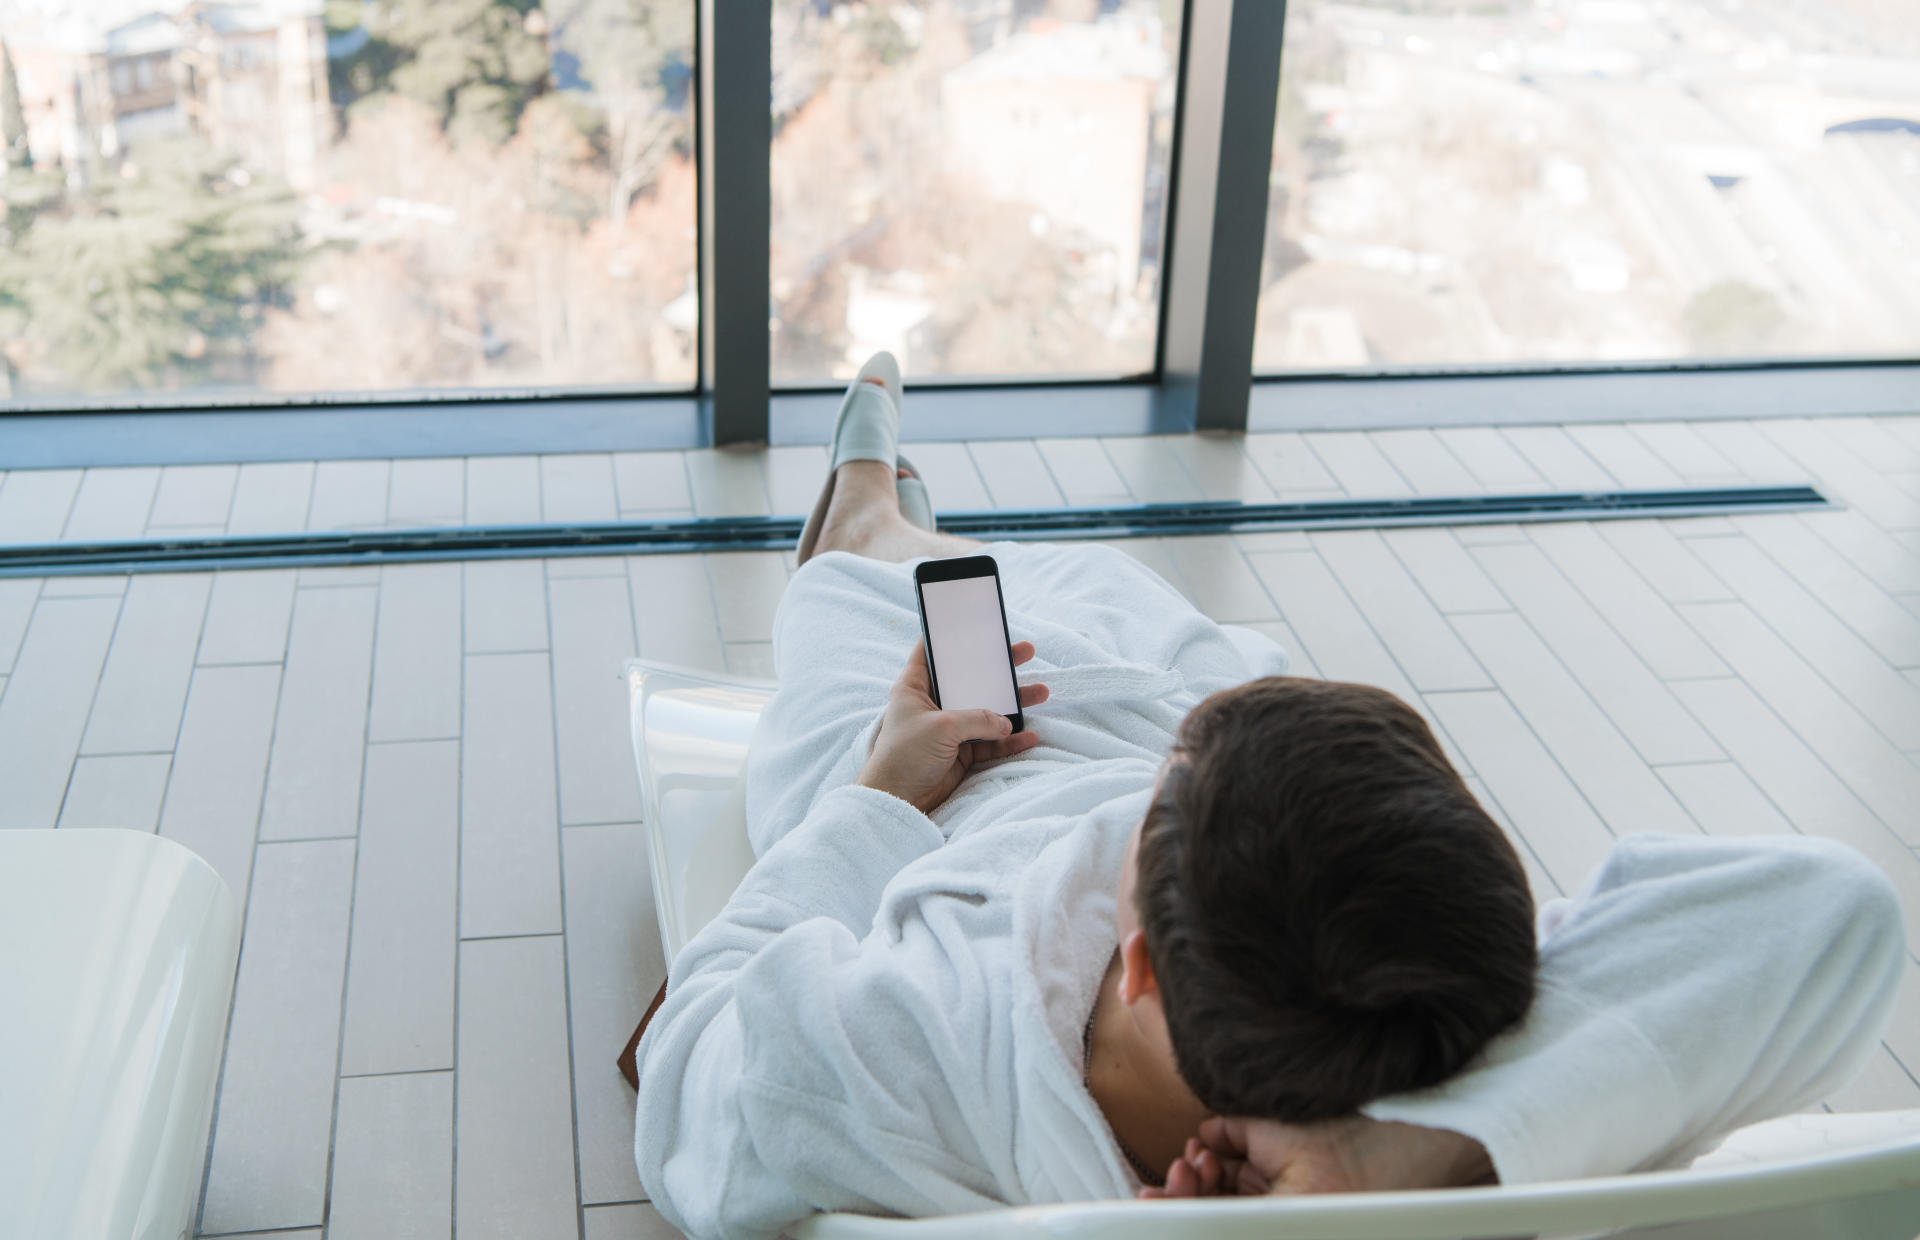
(888, 1016)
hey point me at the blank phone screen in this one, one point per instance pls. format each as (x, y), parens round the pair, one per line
(968, 642)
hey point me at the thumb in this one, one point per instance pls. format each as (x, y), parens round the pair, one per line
(981, 725)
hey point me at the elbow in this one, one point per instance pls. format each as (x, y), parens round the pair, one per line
(1856, 904)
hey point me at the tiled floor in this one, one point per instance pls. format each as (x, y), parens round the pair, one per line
(417, 778)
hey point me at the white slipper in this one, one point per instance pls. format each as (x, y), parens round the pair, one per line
(867, 429)
(915, 504)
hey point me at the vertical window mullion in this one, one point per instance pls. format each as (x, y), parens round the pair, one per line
(736, 131)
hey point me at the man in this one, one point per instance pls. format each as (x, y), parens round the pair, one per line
(1202, 928)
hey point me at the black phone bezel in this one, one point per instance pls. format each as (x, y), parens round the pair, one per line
(961, 568)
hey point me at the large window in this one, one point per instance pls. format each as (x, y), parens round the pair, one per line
(1593, 181)
(977, 185)
(265, 197)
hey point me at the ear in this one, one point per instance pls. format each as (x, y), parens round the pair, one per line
(1136, 970)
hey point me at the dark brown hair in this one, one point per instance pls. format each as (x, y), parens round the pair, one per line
(1330, 914)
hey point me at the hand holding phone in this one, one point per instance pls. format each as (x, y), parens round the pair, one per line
(921, 753)
(963, 622)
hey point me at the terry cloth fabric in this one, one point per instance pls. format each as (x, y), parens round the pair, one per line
(887, 1017)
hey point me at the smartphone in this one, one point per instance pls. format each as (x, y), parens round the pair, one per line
(969, 652)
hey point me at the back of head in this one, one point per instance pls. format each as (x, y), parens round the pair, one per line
(1330, 914)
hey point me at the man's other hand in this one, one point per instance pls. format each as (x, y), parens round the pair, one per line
(921, 753)
(1252, 1157)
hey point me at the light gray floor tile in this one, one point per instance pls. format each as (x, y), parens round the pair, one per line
(247, 617)
(1665, 561)
(727, 482)
(952, 482)
(794, 478)
(1887, 562)
(1561, 462)
(1273, 540)
(1842, 588)
(1878, 773)
(1542, 803)
(1491, 458)
(1299, 662)
(751, 659)
(1700, 527)
(427, 492)
(1343, 645)
(416, 654)
(121, 791)
(1758, 457)
(393, 1159)
(1639, 704)
(1686, 453)
(144, 685)
(1723, 800)
(506, 606)
(1361, 468)
(1288, 464)
(1903, 1035)
(633, 1221)
(503, 490)
(400, 972)
(34, 504)
(1410, 625)
(1843, 474)
(1083, 472)
(1625, 456)
(1619, 786)
(1221, 466)
(1867, 439)
(1153, 473)
(194, 495)
(1489, 535)
(1016, 474)
(613, 965)
(269, 1162)
(673, 610)
(514, 1126)
(271, 498)
(746, 588)
(1883, 1085)
(1539, 882)
(1811, 796)
(349, 495)
(1630, 605)
(45, 709)
(1219, 580)
(1450, 576)
(1849, 664)
(220, 766)
(84, 587)
(339, 575)
(1154, 555)
(319, 738)
(651, 482)
(111, 505)
(17, 597)
(592, 640)
(563, 566)
(1426, 463)
(509, 832)
(577, 488)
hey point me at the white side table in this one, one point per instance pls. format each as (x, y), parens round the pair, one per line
(117, 953)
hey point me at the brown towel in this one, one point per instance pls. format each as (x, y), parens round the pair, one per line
(629, 1064)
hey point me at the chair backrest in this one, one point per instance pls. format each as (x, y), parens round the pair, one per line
(690, 736)
(1803, 1177)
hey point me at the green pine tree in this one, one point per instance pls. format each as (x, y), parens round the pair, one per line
(13, 116)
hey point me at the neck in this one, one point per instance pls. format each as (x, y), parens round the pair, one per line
(1136, 1084)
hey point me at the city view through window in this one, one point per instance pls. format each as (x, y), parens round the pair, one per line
(266, 197)
(1465, 182)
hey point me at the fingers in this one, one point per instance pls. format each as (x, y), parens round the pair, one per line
(991, 751)
(977, 725)
(1021, 651)
(1033, 695)
(914, 675)
(1224, 1135)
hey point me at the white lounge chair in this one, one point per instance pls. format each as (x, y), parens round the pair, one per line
(1804, 1177)
(117, 951)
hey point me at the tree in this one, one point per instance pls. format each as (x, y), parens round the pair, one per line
(476, 63)
(13, 117)
(159, 278)
(634, 56)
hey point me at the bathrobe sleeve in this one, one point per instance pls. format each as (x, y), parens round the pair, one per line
(805, 1057)
(1697, 985)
